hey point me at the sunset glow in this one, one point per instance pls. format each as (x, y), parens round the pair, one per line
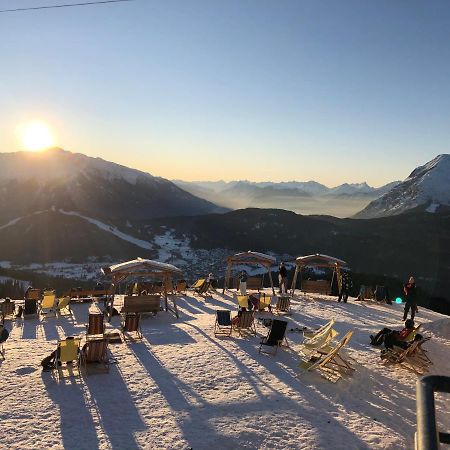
(36, 136)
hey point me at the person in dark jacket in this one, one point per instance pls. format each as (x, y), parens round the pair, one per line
(390, 337)
(346, 285)
(409, 289)
(282, 278)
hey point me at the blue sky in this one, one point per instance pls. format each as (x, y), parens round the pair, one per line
(336, 91)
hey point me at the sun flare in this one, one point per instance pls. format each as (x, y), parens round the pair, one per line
(36, 136)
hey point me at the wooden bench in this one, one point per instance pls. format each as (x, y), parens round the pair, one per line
(73, 293)
(316, 286)
(141, 304)
(253, 283)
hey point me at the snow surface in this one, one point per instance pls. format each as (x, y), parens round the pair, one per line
(181, 387)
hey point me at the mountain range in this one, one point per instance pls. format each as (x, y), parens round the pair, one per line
(308, 197)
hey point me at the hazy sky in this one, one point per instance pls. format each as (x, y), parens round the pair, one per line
(334, 91)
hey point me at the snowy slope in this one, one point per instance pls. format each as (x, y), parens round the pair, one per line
(181, 387)
(428, 187)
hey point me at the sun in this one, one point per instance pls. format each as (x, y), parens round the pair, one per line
(36, 136)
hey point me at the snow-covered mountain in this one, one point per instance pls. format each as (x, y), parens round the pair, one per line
(304, 197)
(427, 188)
(58, 179)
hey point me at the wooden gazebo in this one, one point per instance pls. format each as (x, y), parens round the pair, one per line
(249, 258)
(317, 260)
(145, 268)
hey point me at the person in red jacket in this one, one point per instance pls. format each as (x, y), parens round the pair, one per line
(390, 337)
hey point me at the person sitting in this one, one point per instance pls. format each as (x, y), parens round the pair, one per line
(390, 337)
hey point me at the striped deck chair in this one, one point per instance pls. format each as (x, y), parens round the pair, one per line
(308, 334)
(95, 326)
(223, 323)
(67, 353)
(7, 309)
(244, 323)
(283, 305)
(329, 360)
(131, 324)
(95, 352)
(48, 303)
(64, 305)
(275, 336)
(31, 308)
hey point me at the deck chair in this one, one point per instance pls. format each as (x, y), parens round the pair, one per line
(245, 323)
(223, 323)
(242, 301)
(308, 334)
(67, 352)
(31, 308)
(168, 285)
(95, 326)
(410, 358)
(7, 309)
(4, 334)
(181, 287)
(204, 289)
(264, 302)
(275, 336)
(64, 305)
(380, 294)
(198, 284)
(283, 305)
(131, 324)
(48, 303)
(95, 352)
(330, 359)
(322, 340)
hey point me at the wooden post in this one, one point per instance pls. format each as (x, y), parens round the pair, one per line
(270, 278)
(227, 277)
(294, 281)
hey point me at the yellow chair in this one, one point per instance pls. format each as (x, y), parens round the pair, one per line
(242, 301)
(67, 352)
(199, 283)
(64, 303)
(49, 303)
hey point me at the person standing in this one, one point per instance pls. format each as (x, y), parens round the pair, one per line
(409, 289)
(346, 285)
(282, 278)
(243, 282)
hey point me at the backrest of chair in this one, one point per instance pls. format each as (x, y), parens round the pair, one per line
(181, 286)
(242, 301)
(283, 303)
(49, 300)
(254, 283)
(380, 292)
(96, 350)
(168, 286)
(30, 306)
(224, 317)
(96, 324)
(321, 339)
(246, 319)
(63, 302)
(204, 287)
(142, 303)
(7, 308)
(198, 283)
(68, 349)
(131, 322)
(264, 301)
(277, 332)
(344, 341)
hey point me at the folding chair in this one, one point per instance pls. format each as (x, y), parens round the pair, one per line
(64, 304)
(131, 324)
(283, 305)
(95, 351)
(223, 324)
(96, 325)
(244, 323)
(275, 336)
(48, 303)
(67, 353)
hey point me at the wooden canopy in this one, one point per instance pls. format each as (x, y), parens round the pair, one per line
(249, 258)
(317, 260)
(142, 268)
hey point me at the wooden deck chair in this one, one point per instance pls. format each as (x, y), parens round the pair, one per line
(95, 352)
(309, 334)
(198, 284)
(67, 352)
(264, 302)
(64, 305)
(95, 326)
(131, 324)
(204, 289)
(407, 357)
(283, 305)
(275, 336)
(33, 294)
(48, 303)
(322, 340)
(169, 287)
(223, 323)
(242, 301)
(245, 323)
(329, 359)
(181, 287)
(31, 308)
(7, 310)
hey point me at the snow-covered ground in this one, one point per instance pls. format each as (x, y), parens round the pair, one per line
(181, 387)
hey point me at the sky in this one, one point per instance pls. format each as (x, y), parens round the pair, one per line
(334, 91)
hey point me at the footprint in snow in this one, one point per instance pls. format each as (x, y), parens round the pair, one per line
(25, 370)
